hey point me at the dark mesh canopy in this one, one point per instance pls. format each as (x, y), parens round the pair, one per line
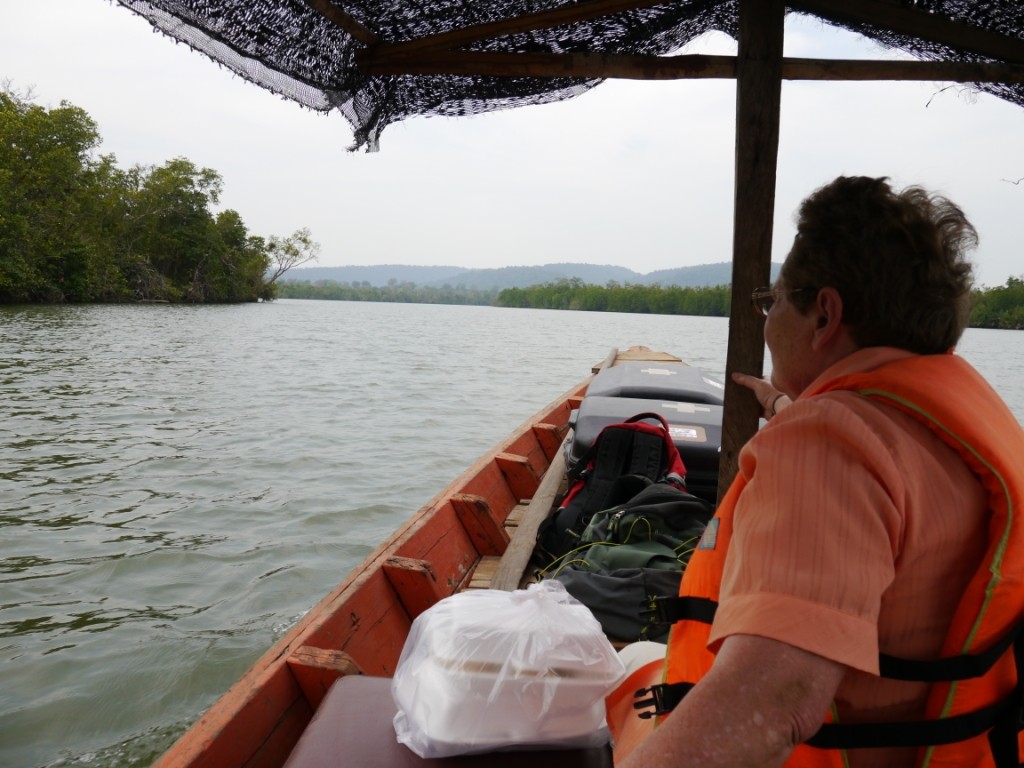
(294, 50)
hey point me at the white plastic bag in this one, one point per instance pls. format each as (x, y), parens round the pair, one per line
(487, 670)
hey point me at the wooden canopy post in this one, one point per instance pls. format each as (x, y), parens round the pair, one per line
(758, 96)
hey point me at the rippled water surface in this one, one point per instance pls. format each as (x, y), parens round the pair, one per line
(179, 484)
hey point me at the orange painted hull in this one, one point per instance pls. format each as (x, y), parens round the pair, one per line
(362, 625)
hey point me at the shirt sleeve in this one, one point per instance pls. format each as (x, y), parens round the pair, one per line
(816, 534)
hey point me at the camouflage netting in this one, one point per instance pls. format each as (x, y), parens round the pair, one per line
(292, 50)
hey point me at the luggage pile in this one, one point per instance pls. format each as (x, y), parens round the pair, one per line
(642, 464)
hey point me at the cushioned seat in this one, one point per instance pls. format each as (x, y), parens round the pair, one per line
(353, 727)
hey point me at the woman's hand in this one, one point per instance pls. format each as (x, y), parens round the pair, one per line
(771, 400)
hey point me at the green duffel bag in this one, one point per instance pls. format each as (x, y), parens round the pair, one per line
(618, 598)
(607, 556)
(661, 513)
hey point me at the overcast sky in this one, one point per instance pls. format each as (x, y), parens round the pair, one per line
(632, 174)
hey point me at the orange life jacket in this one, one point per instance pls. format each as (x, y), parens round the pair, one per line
(974, 697)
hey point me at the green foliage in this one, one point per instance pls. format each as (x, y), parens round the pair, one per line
(44, 174)
(76, 228)
(285, 253)
(637, 299)
(395, 291)
(1001, 307)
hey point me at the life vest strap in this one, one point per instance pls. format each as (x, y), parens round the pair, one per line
(916, 733)
(1001, 718)
(963, 667)
(669, 610)
(664, 697)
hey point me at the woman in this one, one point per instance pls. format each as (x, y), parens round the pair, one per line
(869, 519)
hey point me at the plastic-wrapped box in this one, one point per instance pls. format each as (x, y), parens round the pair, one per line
(487, 670)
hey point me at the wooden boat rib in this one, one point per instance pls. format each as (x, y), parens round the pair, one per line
(478, 532)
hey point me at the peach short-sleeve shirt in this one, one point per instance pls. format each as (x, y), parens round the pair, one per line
(856, 534)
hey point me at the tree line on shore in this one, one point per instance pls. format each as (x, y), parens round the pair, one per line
(74, 227)
(561, 294)
(712, 301)
(398, 291)
(1001, 307)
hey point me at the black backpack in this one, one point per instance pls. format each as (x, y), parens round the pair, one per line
(624, 459)
(632, 554)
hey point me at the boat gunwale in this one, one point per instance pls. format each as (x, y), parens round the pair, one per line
(199, 743)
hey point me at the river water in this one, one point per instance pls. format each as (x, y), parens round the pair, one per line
(180, 484)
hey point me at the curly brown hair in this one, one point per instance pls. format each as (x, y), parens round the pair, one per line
(897, 260)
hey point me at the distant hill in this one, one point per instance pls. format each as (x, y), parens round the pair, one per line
(375, 275)
(516, 277)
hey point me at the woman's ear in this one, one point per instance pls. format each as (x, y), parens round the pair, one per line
(828, 306)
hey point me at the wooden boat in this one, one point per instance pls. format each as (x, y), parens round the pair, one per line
(479, 532)
(461, 539)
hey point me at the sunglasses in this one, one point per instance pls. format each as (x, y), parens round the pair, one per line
(764, 299)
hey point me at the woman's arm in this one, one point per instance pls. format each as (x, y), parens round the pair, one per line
(760, 699)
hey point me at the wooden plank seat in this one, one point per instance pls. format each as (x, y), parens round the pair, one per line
(353, 727)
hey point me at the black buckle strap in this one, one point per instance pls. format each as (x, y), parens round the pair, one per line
(1004, 739)
(664, 698)
(963, 667)
(1002, 720)
(917, 733)
(669, 610)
